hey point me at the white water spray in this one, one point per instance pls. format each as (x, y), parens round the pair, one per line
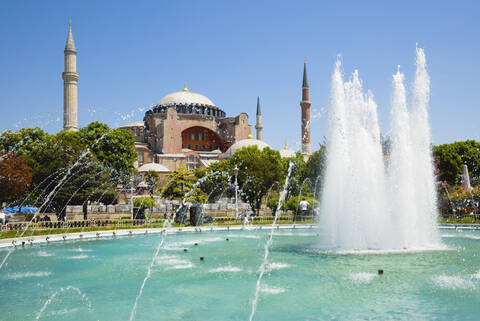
(166, 225)
(53, 296)
(264, 264)
(365, 204)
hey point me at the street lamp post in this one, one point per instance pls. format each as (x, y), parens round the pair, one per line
(235, 171)
(131, 197)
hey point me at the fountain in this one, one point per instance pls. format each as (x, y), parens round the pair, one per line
(371, 202)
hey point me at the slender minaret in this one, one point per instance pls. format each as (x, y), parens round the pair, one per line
(259, 126)
(305, 104)
(70, 85)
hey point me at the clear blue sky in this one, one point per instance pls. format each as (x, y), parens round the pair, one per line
(131, 54)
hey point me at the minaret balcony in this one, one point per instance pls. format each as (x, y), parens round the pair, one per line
(68, 75)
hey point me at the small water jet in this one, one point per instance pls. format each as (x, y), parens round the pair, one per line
(166, 225)
(269, 243)
(54, 295)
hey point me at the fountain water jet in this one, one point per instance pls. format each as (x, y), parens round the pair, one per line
(366, 205)
(53, 296)
(264, 264)
(166, 225)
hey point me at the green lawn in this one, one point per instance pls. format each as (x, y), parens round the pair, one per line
(157, 224)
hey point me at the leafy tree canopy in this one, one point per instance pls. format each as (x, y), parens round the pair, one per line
(73, 167)
(451, 157)
(114, 148)
(258, 172)
(180, 184)
(145, 202)
(217, 180)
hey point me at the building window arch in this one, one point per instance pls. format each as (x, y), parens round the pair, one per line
(200, 138)
(192, 162)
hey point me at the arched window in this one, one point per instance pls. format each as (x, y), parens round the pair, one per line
(192, 162)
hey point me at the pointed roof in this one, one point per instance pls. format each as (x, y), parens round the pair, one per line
(259, 111)
(70, 44)
(305, 78)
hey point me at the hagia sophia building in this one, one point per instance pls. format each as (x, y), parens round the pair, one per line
(184, 128)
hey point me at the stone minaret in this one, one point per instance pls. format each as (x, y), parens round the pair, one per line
(259, 126)
(305, 104)
(70, 85)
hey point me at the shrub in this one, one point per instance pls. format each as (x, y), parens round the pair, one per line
(145, 202)
(293, 204)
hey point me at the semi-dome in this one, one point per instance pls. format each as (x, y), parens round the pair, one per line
(134, 124)
(153, 167)
(287, 153)
(244, 143)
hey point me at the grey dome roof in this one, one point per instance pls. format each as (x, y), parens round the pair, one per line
(185, 98)
(186, 102)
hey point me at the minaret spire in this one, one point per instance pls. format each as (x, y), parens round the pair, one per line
(305, 104)
(70, 44)
(305, 78)
(259, 111)
(259, 126)
(70, 84)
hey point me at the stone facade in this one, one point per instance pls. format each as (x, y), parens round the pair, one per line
(186, 129)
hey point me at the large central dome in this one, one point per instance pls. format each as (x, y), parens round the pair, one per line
(185, 97)
(187, 102)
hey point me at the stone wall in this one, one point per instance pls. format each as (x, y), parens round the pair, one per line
(225, 207)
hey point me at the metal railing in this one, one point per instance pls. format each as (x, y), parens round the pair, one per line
(149, 222)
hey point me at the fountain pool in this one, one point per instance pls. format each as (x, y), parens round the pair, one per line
(98, 279)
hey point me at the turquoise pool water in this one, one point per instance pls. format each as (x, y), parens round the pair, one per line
(101, 278)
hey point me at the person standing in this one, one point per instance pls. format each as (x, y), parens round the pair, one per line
(303, 209)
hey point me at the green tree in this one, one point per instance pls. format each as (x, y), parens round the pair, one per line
(451, 157)
(297, 175)
(306, 176)
(73, 167)
(293, 204)
(153, 180)
(144, 202)
(315, 167)
(114, 148)
(258, 172)
(217, 179)
(22, 142)
(180, 184)
(90, 182)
